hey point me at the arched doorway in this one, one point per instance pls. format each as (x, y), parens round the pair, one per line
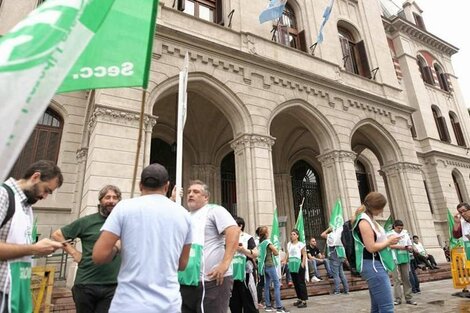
(165, 154)
(363, 182)
(306, 184)
(228, 183)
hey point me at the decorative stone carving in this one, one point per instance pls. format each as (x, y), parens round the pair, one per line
(120, 117)
(249, 43)
(251, 140)
(402, 167)
(82, 155)
(337, 156)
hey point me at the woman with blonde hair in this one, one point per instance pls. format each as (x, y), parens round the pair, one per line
(373, 254)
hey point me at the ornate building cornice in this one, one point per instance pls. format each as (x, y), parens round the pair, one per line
(252, 140)
(120, 117)
(337, 155)
(399, 24)
(402, 167)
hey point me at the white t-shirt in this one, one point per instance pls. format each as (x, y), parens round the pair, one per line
(153, 231)
(218, 219)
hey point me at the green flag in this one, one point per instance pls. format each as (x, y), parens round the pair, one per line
(388, 226)
(119, 53)
(299, 225)
(336, 219)
(453, 242)
(275, 231)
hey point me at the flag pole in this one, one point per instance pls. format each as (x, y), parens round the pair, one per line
(182, 105)
(139, 141)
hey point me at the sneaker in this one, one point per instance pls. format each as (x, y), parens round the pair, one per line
(269, 309)
(282, 310)
(397, 302)
(303, 304)
(315, 279)
(336, 293)
(412, 302)
(296, 303)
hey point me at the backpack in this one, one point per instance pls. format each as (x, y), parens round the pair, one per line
(347, 240)
(11, 204)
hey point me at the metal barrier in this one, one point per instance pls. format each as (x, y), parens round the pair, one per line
(460, 272)
(42, 284)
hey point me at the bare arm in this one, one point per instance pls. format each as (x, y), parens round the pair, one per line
(184, 257)
(70, 249)
(371, 245)
(304, 254)
(105, 248)
(232, 234)
(274, 250)
(326, 232)
(44, 246)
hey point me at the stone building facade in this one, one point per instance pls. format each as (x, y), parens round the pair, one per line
(274, 119)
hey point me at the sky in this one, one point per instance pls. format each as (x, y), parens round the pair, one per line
(449, 20)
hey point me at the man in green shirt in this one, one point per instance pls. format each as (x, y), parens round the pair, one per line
(94, 285)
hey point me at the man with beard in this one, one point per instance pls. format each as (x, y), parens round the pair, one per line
(94, 285)
(16, 243)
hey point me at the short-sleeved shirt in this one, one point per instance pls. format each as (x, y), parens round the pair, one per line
(153, 231)
(88, 230)
(218, 219)
(313, 251)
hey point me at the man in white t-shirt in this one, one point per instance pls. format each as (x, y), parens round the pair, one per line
(156, 237)
(217, 253)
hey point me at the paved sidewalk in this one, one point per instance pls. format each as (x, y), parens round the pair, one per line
(435, 297)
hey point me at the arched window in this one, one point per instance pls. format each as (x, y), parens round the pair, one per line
(354, 53)
(43, 144)
(286, 30)
(164, 154)
(457, 130)
(306, 185)
(458, 185)
(440, 124)
(425, 70)
(209, 10)
(441, 77)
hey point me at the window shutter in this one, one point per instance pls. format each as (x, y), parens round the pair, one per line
(444, 133)
(302, 41)
(449, 84)
(365, 69)
(428, 75)
(219, 16)
(283, 35)
(181, 5)
(458, 133)
(347, 61)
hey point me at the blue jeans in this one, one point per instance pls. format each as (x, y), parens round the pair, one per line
(270, 275)
(338, 273)
(313, 267)
(380, 289)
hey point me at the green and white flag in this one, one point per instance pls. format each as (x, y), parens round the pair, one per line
(38, 53)
(275, 234)
(388, 226)
(336, 225)
(299, 225)
(453, 242)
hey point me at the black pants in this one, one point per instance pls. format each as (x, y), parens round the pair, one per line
(241, 300)
(5, 303)
(91, 298)
(299, 283)
(260, 288)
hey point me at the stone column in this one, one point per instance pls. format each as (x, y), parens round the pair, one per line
(284, 198)
(410, 204)
(339, 177)
(111, 152)
(255, 180)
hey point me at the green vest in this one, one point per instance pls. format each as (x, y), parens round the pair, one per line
(191, 276)
(386, 255)
(262, 248)
(239, 259)
(295, 257)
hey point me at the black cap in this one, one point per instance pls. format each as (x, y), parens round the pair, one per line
(154, 176)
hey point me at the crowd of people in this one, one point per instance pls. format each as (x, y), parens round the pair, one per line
(149, 254)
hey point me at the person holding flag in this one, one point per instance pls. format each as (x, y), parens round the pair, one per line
(336, 254)
(373, 254)
(297, 256)
(267, 265)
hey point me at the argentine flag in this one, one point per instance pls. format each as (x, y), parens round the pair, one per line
(273, 11)
(326, 16)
